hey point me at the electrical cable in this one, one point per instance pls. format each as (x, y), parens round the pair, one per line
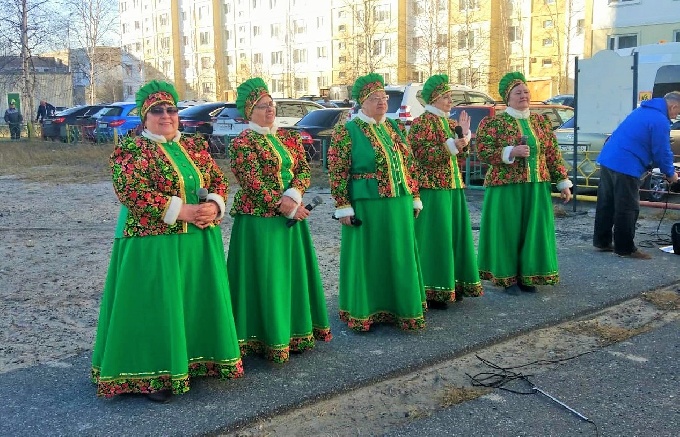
(506, 375)
(660, 239)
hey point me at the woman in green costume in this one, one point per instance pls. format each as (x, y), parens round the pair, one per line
(166, 312)
(277, 294)
(443, 230)
(370, 167)
(517, 247)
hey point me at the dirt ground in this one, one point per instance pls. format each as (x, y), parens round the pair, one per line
(55, 242)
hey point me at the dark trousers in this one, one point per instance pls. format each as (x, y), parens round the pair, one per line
(618, 206)
(15, 130)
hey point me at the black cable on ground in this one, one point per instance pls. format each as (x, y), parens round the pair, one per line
(506, 375)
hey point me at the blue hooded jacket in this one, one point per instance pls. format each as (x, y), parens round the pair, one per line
(641, 141)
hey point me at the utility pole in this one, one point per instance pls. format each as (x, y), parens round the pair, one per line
(26, 73)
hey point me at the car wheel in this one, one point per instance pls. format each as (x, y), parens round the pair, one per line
(656, 188)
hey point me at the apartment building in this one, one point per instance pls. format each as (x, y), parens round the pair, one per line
(623, 24)
(313, 47)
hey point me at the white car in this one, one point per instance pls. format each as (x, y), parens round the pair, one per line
(406, 103)
(230, 123)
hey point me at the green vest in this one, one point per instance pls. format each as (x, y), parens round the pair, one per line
(363, 182)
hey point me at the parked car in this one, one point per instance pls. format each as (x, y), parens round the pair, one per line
(120, 117)
(61, 125)
(290, 111)
(229, 122)
(405, 102)
(317, 127)
(198, 119)
(587, 150)
(557, 114)
(562, 99)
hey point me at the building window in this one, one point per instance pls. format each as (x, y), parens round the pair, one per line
(381, 47)
(301, 84)
(342, 75)
(417, 42)
(622, 42)
(299, 55)
(547, 62)
(466, 40)
(342, 59)
(186, 64)
(381, 13)
(208, 87)
(319, 22)
(275, 30)
(126, 27)
(277, 57)
(277, 85)
(464, 76)
(138, 46)
(230, 60)
(299, 26)
(341, 28)
(227, 7)
(386, 77)
(549, 2)
(163, 19)
(204, 38)
(257, 30)
(322, 81)
(272, 4)
(514, 34)
(203, 12)
(321, 52)
(547, 42)
(138, 25)
(165, 43)
(442, 40)
(257, 58)
(580, 26)
(227, 34)
(468, 4)
(341, 13)
(254, 4)
(342, 45)
(676, 36)
(206, 62)
(241, 56)
(548, 24)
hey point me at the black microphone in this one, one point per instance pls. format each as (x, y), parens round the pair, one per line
(353, 220)
(459, 131)
(523, 140)
(317, 200)
(202, 194)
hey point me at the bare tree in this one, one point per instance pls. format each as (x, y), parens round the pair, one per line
(25, 28)
(429, 44)
(472, 40)
(365, 45)
(93, 23)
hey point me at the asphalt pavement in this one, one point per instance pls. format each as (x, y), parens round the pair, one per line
(621, 395)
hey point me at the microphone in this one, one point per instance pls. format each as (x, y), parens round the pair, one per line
(353, 220)
(523, 140)
(459, 131)
(317, 200)
(202, 194)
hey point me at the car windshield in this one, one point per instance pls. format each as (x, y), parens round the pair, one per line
(394, 103)
(199, 109)
(70, 111)
(318, 118)
(569, 124)
(230, 112)
(110, 111)
(476, 115)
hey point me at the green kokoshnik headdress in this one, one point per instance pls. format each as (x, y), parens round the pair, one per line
(508, 82)
(248, 93)
(364, 86)
(154, 93)
(435, 87)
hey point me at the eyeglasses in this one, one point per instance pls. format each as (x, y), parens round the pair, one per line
(266, 105)
(160, 110)
(377, 99)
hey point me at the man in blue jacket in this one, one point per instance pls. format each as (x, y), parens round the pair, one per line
(641, 141)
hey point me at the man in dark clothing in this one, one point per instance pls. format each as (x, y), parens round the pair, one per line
(641, 140)
(44, 110)
(14, 119)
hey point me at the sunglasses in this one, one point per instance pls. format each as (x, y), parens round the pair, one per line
(160, 110)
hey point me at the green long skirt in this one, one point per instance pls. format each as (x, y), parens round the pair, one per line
(380, 277)
(517, 235)
(446, 246)
(165, 315)
(277, 294)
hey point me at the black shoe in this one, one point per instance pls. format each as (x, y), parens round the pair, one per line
(437, 305)
(459, 296)
(513, 290)
(527, 288)
(162, 396)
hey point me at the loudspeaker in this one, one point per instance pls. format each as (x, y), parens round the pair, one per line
(675, 238)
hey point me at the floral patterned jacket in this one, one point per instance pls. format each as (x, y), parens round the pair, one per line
(257, 167)
(340, 162)
(437, 168)
(496, 133)
(147, 182)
